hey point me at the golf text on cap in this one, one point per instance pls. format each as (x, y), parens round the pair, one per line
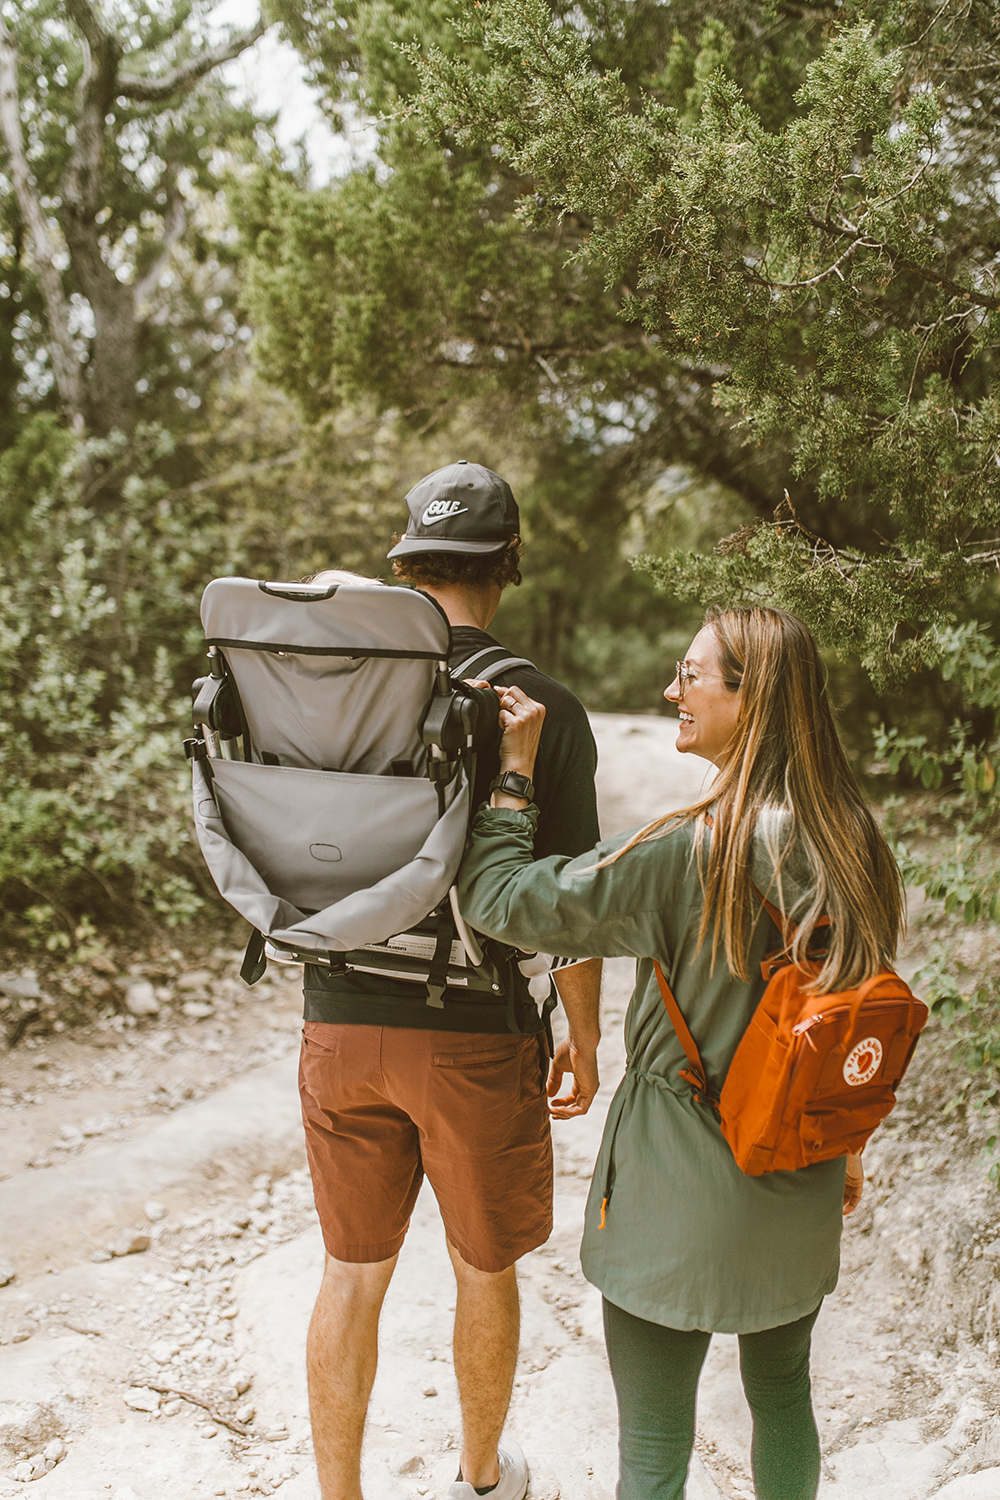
(440, 510)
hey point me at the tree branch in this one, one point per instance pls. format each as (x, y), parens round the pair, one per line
(88, 21)
(237, 475)
(95, 97)
(936, 278)
(155, 90)
(174, 225)
(65, 364)
(794, 286)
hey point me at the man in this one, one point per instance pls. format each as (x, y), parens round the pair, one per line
(392, 1088)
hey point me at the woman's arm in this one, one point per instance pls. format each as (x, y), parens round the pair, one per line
(560, 905)
(556, 905)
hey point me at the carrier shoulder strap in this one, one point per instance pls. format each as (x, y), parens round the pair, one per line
(477, 665)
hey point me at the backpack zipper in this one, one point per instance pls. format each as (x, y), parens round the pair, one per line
(802, 1026)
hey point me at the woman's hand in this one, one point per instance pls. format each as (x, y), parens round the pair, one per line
(521, 720)
(854, 1185)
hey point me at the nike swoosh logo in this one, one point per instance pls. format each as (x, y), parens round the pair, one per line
(433, 520)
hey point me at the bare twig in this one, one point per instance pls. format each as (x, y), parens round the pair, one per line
(936, 278)
(213, 1412)
(791, 286)
(20, 1026)
(928, 28)
(847, 562)
(544, 364)
(235, 475)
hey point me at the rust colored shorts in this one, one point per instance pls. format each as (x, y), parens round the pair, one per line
(382, 1105)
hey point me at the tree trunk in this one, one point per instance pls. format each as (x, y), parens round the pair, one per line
(114, 366)
(62, 352)
(105, 400)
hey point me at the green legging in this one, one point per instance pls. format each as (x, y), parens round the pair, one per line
(655, 1371)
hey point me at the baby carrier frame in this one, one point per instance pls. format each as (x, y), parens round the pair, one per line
(332, 770)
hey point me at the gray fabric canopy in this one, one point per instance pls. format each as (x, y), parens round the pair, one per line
(327, 850)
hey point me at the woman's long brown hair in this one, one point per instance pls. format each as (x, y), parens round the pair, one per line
(786, 754)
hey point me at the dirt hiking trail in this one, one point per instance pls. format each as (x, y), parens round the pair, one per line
(159, 1257)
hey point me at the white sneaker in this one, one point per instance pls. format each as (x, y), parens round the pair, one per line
(513, 1481)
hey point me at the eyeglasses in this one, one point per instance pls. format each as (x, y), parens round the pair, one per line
(685, 674)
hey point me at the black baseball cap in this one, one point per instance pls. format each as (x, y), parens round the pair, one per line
(460, 508)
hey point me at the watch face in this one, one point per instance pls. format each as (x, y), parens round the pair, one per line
(515, 783)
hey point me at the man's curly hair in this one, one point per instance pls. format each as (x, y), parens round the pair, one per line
(473, 569)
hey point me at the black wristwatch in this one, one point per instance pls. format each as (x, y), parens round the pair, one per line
(514, 784)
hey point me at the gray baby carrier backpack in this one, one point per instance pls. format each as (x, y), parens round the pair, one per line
(333, 767)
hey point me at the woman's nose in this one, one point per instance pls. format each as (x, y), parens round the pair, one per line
(673, 692)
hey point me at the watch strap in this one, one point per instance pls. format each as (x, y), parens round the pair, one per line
(515, 784)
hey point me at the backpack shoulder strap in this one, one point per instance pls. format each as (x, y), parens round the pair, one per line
(480, 667)
(786, 928)
(695, 1075)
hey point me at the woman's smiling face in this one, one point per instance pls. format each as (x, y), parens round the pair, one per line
(708, 709)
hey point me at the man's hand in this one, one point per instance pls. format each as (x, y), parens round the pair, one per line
(582, 1063)
(854, 1184)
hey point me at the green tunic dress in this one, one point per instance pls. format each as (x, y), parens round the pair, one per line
(688, 1241)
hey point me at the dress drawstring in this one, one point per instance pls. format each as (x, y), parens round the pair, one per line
(609, 1184)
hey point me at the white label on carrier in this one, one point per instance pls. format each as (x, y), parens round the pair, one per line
(863, 1061)
(412, 945)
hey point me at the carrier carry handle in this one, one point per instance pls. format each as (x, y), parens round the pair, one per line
(304, 591)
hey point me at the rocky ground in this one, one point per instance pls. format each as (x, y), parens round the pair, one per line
(159, 1256)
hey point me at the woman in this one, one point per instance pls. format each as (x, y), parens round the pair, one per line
(676, 1238)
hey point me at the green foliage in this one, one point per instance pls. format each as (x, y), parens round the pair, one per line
(30, 466)
(831, 271)
(827, 272)
(93, 812)
(947, 842)
(601, 245)
(414, 286)
(160, 209)
(99, 643)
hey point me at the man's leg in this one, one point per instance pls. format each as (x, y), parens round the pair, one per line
(341, 1357)
(487, 1330)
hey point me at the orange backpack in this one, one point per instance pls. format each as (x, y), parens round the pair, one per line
(813, 1075)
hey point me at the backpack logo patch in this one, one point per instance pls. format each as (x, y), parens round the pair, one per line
(863, 1061)
(442, 510)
